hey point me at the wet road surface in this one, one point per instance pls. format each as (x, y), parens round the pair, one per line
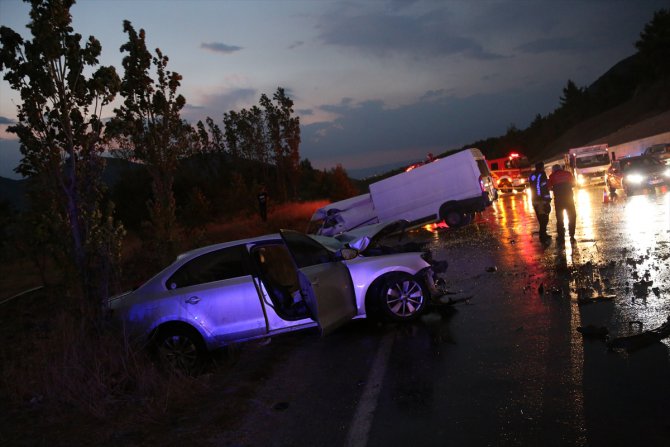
(507, 368)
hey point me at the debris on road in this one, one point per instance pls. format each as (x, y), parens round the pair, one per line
(280, 406)
(595, 299)
(450, 300)
(593, 331)
(644, 338)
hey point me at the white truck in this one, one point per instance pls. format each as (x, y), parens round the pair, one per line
(588, 164)
(452, 188)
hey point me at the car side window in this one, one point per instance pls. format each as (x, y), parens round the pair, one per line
(227, 263)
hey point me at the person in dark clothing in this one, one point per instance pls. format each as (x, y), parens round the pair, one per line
(561, 183)
(541, 199)
(263, 203)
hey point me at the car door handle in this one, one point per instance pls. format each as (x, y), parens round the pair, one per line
(193, 300)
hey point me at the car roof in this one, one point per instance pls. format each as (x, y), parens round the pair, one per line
(208, 248)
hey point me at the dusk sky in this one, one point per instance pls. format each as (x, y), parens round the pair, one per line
(374, 82)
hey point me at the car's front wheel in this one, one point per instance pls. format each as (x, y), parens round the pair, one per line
(400, 297)
(180, 348)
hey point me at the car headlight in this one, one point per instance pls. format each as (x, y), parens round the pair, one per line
(635, 178)
(580, 179)
(667, 173)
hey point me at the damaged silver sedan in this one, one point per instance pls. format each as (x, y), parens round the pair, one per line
(254, 288)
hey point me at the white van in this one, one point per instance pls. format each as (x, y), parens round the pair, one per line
(452, 188)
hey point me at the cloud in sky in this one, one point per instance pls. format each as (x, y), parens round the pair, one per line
(437, 123)
(552, 44)
(384, 33)
(372, 80)
(215, 105)
(219, 47)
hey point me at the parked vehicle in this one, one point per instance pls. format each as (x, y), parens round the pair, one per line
(247, 289)
(635, 174)
(660, 152)
(452, 188)
(638, 146)
(588, 164)
(510, 173)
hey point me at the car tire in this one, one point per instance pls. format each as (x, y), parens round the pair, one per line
(180, 348)
(399, 296)
(455, 219)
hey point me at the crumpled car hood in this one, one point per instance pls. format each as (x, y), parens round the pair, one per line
(363, 238)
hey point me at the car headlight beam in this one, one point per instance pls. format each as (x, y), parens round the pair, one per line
(635, 178)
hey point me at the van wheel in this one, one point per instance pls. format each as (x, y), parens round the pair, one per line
(455, 219)
(400, 297)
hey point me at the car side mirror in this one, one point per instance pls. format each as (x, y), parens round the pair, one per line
(347, 254)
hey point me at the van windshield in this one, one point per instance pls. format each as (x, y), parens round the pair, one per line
(593, 160)
(483, 168)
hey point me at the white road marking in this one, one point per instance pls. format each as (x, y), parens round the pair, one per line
(365, 411)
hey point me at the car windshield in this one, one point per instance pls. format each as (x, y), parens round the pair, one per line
(658, 149)
(640, 163)
(593, 160)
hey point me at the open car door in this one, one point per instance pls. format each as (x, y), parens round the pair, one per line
(325, 282)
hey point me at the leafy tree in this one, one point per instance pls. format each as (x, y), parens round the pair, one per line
(284, 139)
(60, 131)
(148, 128)
(572, 95)
(654, 45)
(342, 187)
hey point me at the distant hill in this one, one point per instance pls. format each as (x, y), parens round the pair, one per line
(647, 113)
(363, 173)
(13, 192)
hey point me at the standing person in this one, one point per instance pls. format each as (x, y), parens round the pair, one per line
(541, 198)
(561, 183)
(263, 203)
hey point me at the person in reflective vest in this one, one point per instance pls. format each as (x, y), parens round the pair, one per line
(561, 183)
(541, 199)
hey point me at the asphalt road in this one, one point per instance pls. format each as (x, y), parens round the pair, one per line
(506, 368)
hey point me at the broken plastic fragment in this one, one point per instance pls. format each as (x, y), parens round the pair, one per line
(593, 331)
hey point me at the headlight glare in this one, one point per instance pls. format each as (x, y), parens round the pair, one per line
(667, 173)
(635, 178)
